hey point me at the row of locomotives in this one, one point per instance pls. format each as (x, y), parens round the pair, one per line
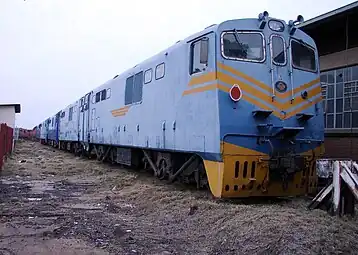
(250, 123)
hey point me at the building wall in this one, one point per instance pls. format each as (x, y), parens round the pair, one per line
(339, 59)
(339, 79)
(341, 147)
(340, 94)
(7, 115)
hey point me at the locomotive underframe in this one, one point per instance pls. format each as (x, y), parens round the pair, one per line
(190, 169)
(171, 166)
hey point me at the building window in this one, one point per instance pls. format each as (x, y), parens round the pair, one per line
(340, 94)
(159, 71)
(134, 89)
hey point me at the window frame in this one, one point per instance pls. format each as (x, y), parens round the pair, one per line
(132, 91)
(244, 32)
(308, 46)
(156, 67)
(103, 92)
(98, 94)
(70, 113)
(151, 75)
(125, 90)
(193, 43)
(284, 49)
(134, 80)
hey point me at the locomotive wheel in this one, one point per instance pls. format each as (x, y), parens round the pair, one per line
(162, 169)
(164, 165)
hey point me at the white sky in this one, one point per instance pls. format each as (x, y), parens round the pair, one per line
(53, 51)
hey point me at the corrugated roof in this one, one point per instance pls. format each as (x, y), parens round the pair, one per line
(17, 107)
(329, 14)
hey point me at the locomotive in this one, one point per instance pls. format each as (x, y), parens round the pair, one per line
(236, 108)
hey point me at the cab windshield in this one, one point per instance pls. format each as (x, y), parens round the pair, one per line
(303, 57)
(246, 46)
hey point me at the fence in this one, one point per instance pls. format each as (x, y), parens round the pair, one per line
(6, 142)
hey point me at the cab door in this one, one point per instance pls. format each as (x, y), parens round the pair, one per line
(200, 76)
(280, 70)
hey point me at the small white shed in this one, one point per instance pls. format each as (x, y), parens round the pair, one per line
(7, 114)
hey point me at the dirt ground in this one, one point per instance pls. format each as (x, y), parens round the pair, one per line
(55, 203)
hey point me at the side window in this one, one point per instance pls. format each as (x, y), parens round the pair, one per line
(63, 114)
(199, 55)
(138, 87)
(70, 113)
(108, 93)
(129, 90)
(98, 97)
(134, 89)
(159, 71)
(103, 95)
(148, 76)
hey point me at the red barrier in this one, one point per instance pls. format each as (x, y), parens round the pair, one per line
(6, 142)
(27, 134)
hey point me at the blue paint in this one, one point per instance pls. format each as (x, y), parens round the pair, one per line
(166, 119)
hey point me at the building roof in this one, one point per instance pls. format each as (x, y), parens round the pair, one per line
(329, 15)
(17, 107)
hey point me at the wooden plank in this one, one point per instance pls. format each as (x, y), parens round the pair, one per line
(336, 187)
(349, 181)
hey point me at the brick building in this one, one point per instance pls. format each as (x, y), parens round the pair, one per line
(337, 41)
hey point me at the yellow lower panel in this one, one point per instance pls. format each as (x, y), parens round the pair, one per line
(215, 173)
(248, 176)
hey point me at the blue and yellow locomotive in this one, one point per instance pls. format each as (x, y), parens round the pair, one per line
(236, 107)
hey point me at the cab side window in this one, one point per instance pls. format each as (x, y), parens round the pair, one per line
(134, 89)
(199, 53)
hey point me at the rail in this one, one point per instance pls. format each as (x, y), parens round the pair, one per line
(6, 142)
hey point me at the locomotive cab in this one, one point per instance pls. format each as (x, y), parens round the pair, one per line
(270, 109)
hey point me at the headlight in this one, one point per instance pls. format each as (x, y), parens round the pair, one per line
(276, 26)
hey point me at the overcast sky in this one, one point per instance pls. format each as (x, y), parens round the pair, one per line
(53, 51)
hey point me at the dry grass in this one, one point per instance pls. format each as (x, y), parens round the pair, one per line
(142, 215)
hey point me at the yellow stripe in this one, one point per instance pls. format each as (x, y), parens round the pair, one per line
(261, 106)
(265, 86)
(228, 79)
(118, 114)
(208, 77)
(264, 97)
(244, 76)
(253, 101)
(303, 107)
(201, 89)
(305, 86)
